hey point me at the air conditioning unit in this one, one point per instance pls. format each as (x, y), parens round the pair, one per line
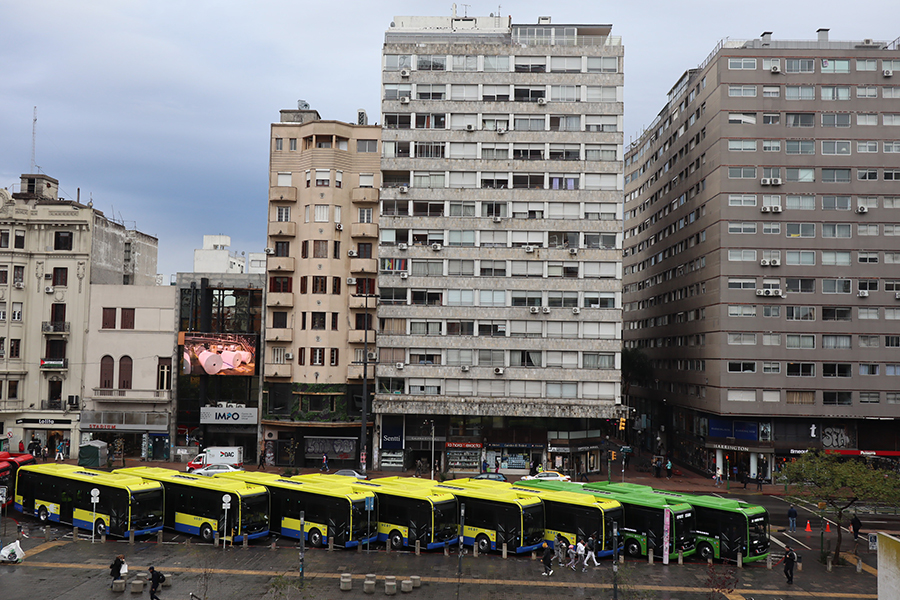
(897, 296)
(402, 246)
(19, 285)
(404, 189)
(545, 310)
(573, 250)
(542, 101)
(497, 220)
(767, 292)
(404, 72)
(470, 127)
(777, 209)
(862, 209)
(371, 356)
(398, 366)
(231, 405)
(576, 310)
(863, 293)
(764, 262)
(534, 310)
(221, 404)
(270, 250)
(288, 356)
(529, 249)
(501, 130)
(765, 181)
(404, 99)
(352, 253)
(760, 292)
(48, 289)
(887, 73)
(339, 226)
(775, 69)
(775, 262)
(436, 247)
(464, 368)
(498, 370)
(404, 275)
(776, 181)
(351, 281)
(778, 292)
(765, 209)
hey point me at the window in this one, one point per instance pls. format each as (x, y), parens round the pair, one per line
(771, 118)
(799, 65)
(431, 62)
(742, 145)
(798, 175)
(866, 119)
(15, 346)
(279, 144)
(771, 146)
(890, 92)
(109, 318)
(320, 248)
(745, 64)
(831, 92)
(742, 118)
(283, 214)
(835, 120)
(319, 284)
(836, 175)
(600, 64)
(742, 227)
(317, 356)
(771, 367)
(837, 286)
(837, 398)
(796, 341)
(746, 91)
(836, 342)
(741, 339)
(496, 64)
(62, 240)
(771, 91)
(742, 172)
(867, 174)
(801, 369)
(463, 62)
(866, 92)
(742, 255)
(126, 318)
(836, 258)
(276, 285)
(799, 285)
(569, 93)
(866, 64)
(801, 230)
(800, 119)
(742, 200)
(836, 230)
(839, 148)
(799, 92)
(367, 145)
(741, 367)
(800, 147)
(835, 202)
(60, 276)
(800, 313)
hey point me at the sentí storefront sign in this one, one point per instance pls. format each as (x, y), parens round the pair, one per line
(234, 416)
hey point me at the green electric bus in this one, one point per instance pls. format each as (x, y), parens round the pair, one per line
(404, 515)
(494, 515)
(194, 504)
(642, 527)
(62, 493)
(334, 511)
(723, 527)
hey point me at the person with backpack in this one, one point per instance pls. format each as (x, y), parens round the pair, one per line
(546, 559)
(590, 552)
(115, 569)
(156, 579)
(790, 557)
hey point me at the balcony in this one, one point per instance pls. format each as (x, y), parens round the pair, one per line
(128, 395)
(280, 299)
(357, 336)
(54, 364)
(282, 229)
(282, 193)
(284, 264)
(364, 230)
(368, 266)
(60, 327)
(360, 302)
(52, 404)
(364, 195)
(356, 372)
(279, 335)
(277, 371)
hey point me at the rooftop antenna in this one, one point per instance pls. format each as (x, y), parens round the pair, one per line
(33, 137)
(466, 8)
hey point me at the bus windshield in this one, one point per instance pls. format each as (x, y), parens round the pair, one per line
(445, 525)
(147, 509)
(255, 511)
(532, 524)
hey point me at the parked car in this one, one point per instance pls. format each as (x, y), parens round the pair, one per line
(492, 476)
(351, 473)
(210, 470)
(547, 476)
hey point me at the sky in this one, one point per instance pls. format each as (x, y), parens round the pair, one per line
(159, 111)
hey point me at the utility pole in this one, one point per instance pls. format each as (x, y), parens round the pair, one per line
(33, 138)
(615, 561)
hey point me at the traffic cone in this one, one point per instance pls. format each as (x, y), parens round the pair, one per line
(827, 526)
(808, 528)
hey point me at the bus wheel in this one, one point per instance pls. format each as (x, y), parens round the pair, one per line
(396, 540)
(99, 527)
(632, 548)
(315, 538)
(43, 515)
(206, 533)
(705, 551)
(483, 543)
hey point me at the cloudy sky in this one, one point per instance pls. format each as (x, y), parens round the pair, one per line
(159, 111)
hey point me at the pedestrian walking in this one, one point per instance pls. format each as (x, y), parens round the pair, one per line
(718, 476)
(156, 578)
(324, 462)
(548, 556)
(418, 468)
(744, 479)
(484, 466)
(115, 569)
(579, 555)
(21, 446)
(44, 453)
(855, 526)
(792, 518)
(59, 452)
(759, 481)
(573, 556)
(559, 550)
(657, 466)
(590, 552)
(669, 469)
(790, 557)
(496, 465)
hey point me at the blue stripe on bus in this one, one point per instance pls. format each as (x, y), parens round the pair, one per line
(449, 542)
(523, 549)
(144, 531)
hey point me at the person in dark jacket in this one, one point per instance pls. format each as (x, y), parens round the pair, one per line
(790, 557)
(792, 518)
(115, 569)
(548, 556)
(155, 582)
(855, 526)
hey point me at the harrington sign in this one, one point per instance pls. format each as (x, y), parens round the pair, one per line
(234, 416)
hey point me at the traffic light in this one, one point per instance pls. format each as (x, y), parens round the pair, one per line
(622, 424)
(612, 455)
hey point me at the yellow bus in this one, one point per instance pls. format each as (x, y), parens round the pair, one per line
(62, 494)
(193, 504)
(333, 511)
(405, 515)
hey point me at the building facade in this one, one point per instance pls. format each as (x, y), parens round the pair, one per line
(51, 251)
(760, 255)
(324, 183)
(500, 247)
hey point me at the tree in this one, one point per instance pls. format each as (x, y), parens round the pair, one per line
(840, 483)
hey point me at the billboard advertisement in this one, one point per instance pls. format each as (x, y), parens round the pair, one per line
(218, 353)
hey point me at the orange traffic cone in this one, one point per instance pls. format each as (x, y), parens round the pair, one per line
(808, 528)
(828, 526)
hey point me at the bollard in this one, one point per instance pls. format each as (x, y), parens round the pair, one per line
(504, 549)
(47, 533)
(346, 582)
(187, 541)
(799, 563)
(681, 557)
(137, 586)
(391, 578)
(418, 546)
(369, 586)
(828, 560)
(390, 588)
(406, 586)
(131, 538)
(167, 582)
(858, 565)
(650, 556)
(475, 549)
(359, 547)
(769, 561)
(387, 545)
(159, 538)
(533, 555)
(272, 547)
(416, 581)
(215, 538)
(246, 542)
(74, 534)
(446, 550)
(371, 577)
(118, 585)
(740, 562)
(103, 537)
(621, 559)
(19, 531)
(709, 561)
(331, 544)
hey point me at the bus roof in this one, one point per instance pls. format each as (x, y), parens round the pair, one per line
(379, 486)
(162, 475)
(293, 483)
(488, 492)
(554, 496)
(706, 501)
(649, 500)
(126, 481)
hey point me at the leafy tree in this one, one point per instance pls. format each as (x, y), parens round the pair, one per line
(840, 483)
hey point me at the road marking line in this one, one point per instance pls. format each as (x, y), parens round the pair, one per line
(796, 540)
(44, 546)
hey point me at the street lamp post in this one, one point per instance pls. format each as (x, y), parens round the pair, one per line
(431, 422)
(365, 391)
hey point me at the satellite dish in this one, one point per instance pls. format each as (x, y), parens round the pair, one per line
(302, 105)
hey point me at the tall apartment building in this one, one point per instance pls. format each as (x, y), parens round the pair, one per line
(321, 300)
(52, 250)
(761, 255)
(500, 251)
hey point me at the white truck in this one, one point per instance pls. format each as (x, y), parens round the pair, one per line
(218, 455)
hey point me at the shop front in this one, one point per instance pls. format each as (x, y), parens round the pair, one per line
(513, 459)
(391, 436)
(143, 435)
(231, 426)
(52, 433)
(463, 458)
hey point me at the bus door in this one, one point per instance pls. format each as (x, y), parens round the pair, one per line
(67, 491)
(731, 538)
(509, 527)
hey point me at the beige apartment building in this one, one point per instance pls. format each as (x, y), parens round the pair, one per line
(324, 183)
(52, 250)
(761, 253)
(500, 250)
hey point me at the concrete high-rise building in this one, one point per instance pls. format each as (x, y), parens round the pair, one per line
(321, 300)
(500, 250)
(761, 255)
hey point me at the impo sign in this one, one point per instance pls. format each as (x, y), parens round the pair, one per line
(235, 416)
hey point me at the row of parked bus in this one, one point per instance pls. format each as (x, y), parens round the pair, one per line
(399, 511)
